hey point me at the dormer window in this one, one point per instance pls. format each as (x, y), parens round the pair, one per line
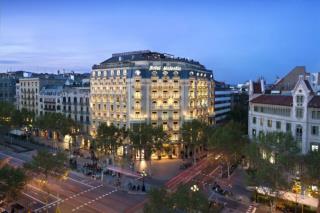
(299, 100)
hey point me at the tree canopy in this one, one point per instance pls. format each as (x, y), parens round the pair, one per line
(57, 122)
(12, 181)
(46, 163)
(182, 200)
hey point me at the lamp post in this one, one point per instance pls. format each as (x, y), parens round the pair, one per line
(143, 174)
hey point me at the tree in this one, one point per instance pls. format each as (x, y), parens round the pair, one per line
(159, 201)
(273, 163)
(193, 136)
(57, 122)
(22, 118)
(239, 112)
(46, 163)
(159, 138)
(141, 137)
(182, 200)
(270, 178)
(12, 181)
(312, 174)
(228, 139)
(109, 138)
(5, 113)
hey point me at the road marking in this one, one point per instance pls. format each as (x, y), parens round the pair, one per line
(69, 178)
(63, 200)
(93, 200)
(36, 188)
(33, 198)
(211, 173)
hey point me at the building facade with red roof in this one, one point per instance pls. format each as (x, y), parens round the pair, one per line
(296, 111)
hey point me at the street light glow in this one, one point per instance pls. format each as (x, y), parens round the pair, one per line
(194, 188)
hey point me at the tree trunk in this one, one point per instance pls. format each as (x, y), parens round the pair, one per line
(194, 155)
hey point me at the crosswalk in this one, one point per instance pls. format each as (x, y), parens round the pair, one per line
(251, 209)
(93, 200)
(59, 201)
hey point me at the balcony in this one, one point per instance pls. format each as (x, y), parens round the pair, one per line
(137, 96)
(137, 85)
(176, 128)
(165, 117)
(154, 96)
(176, 117)
(137, 106)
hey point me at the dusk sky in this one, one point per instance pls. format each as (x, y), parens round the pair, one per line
(238, 40)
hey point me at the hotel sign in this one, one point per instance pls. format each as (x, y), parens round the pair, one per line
(165, 68)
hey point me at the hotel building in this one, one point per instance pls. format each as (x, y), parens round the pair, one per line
(150, 87)
(291, 105)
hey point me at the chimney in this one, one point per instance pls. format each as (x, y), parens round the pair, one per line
(308, 77)
(262, 86)
(250, 88)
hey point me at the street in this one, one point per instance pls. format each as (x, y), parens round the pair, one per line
(205, 173)
(77, 193)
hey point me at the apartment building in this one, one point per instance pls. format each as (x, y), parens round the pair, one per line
(292, 105)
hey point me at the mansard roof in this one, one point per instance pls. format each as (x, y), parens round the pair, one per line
(280, 100)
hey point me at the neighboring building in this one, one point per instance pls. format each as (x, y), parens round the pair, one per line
(143, 86)
(50, 99)
(7, 88)
(222, 101)
(29, 90)
(292, 107)
(75, 105)
(8, 82)
(239, 98)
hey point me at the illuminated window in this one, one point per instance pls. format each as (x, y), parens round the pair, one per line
(314, 147)
(165, 126)
(254, 132)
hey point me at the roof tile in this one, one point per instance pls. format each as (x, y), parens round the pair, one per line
(281, 100)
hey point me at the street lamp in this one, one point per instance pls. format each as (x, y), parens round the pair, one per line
(143, 174)
(194, 188)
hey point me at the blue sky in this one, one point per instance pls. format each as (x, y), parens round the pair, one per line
(238, 40)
